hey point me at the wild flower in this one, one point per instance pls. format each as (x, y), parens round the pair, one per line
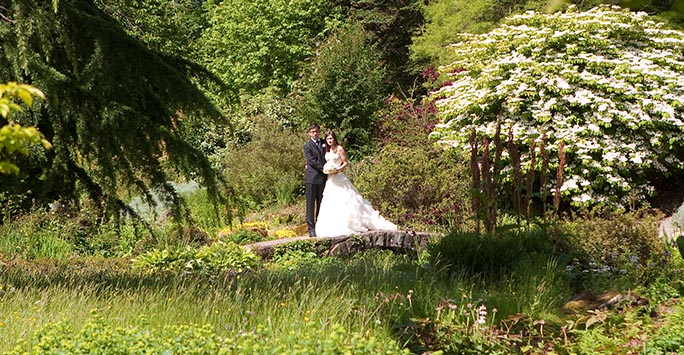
(284, 233)
(482, 314)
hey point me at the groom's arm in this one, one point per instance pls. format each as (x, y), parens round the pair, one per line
(311, 161)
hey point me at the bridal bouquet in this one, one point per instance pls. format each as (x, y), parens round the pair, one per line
(329, 168)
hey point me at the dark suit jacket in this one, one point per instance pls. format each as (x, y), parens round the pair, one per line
(315, 159)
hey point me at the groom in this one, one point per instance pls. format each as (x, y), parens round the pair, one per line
(314, 153)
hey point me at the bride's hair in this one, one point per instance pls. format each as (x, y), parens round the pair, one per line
(330, 133)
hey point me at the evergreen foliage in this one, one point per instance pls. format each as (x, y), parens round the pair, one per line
(170, 27)
(113, 107)
(391, 24)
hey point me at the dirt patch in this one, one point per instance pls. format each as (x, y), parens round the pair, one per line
(669, 195)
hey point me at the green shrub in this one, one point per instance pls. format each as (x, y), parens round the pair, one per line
(622, 245)
(667, 280)
(162, 260)
(295, 260)
(487, 256)
(302, 255)
(269, 168)
(415, 186)
(244, 236)
(205, 214)
(302, 247)
(208, 260)
(222, 257)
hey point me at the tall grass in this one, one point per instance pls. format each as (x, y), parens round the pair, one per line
(376, 292)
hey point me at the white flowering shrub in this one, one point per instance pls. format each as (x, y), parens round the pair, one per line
(607, 82)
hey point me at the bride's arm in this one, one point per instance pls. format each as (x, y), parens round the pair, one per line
(343, 157)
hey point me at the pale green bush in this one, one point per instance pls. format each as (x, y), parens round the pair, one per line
(269, 168)
(210, 260)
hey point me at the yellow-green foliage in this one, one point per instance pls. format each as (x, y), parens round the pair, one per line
(284, 233)
(98, 338)
(15, 139)
(250, 232)
(444, 19)
(244, 233)
(11, 90)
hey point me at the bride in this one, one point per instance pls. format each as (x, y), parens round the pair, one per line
(343, 210)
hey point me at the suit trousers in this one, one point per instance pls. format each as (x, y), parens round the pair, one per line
(314, 196)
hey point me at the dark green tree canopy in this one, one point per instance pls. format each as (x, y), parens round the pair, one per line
(391, 23)
(343, 87)
(113, 108)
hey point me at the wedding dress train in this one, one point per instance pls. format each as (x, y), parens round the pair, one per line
(343, 210)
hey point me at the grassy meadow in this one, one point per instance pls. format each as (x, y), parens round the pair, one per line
(527, 290)
(374, 293)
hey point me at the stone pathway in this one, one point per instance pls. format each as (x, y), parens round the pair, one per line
(399, 239)
(346, 244)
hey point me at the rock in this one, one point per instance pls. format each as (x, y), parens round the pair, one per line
(667, 230)
(587, 301)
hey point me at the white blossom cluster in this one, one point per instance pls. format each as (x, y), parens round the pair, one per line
(607, 82)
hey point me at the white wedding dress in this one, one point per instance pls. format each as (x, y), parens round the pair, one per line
(343, 210)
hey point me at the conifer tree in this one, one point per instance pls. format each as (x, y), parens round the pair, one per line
(114, 107)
